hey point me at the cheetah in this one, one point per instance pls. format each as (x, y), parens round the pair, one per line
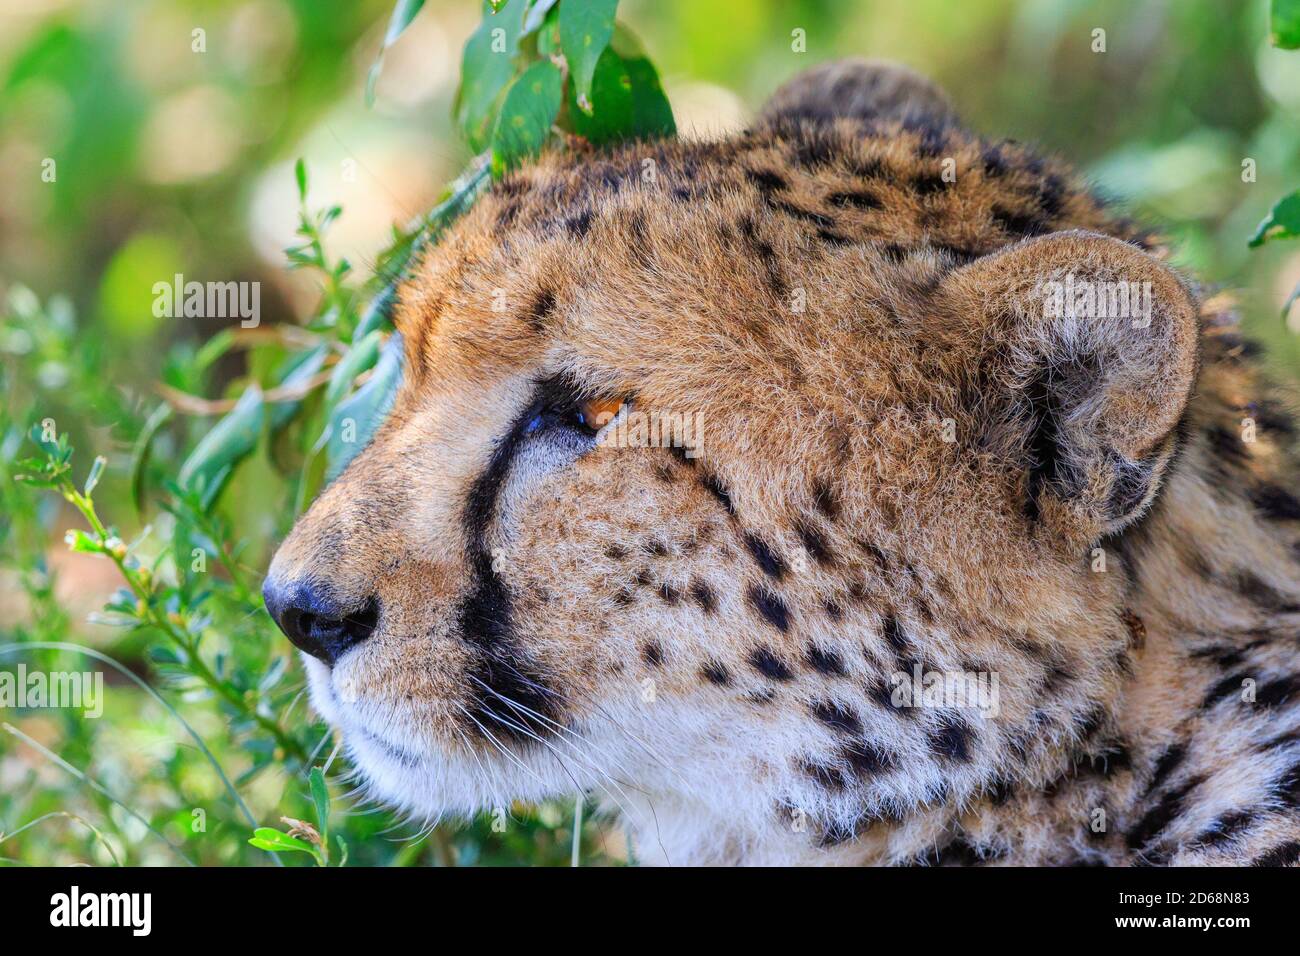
(985, 553)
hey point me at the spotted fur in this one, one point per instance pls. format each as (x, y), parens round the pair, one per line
(907, 467)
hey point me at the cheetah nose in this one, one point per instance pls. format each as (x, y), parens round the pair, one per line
(314, 623)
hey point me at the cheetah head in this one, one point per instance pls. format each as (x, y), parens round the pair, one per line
(709, 455)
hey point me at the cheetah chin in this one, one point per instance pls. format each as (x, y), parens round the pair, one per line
(851, 490)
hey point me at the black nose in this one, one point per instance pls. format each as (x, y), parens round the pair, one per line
(314, 623)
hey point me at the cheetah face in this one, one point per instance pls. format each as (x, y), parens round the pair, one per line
(848, 444)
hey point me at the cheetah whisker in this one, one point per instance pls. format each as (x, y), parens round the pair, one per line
(564, 766)
(559, 728)
(510, 754)
(658, 758)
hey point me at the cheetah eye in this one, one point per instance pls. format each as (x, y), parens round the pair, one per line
(558, 407)
(595, 413)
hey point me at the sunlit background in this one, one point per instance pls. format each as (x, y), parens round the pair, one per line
(170, 159)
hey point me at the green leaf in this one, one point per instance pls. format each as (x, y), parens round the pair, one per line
(320, 796)
(357, 417)
(232, 439)
(378, 313)
(300, 175)
(548, 32)
(585, 32)
(163, 655)
(361, 356)
(652, 116)
(629, 102)
(297, 370)
(538, 13)
(56, 52)
(211, 350)
(1284, 18)
(267, 838)
(487, 66)
(82, 543)
(527, 113)
(96, 471)
(403, 13)
(1282, 222)
(55, 449)
(140, 453)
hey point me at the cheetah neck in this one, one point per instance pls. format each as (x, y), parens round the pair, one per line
(1200, 761)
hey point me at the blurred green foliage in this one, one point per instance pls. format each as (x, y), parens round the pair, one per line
(143, 139)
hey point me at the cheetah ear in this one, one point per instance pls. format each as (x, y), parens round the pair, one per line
(859, 89)
(1089, 347)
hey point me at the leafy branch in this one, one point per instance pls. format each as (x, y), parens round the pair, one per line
(303, 837)
(538, 68)
(145, 604)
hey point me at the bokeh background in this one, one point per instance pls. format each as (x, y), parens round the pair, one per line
(173, 161)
